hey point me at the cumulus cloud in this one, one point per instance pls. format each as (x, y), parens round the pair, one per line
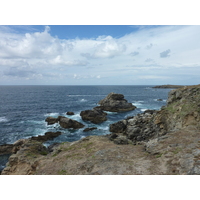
(39, 55)
(165, 54)
(105, 47)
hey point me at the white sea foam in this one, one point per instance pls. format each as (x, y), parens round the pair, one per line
(83, 100)
(75, 117)
(3, 119)
(143, 109)
(51, 114)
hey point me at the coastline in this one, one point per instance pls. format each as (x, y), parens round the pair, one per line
(168, 144)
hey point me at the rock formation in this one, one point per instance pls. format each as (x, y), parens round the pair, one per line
(51, 120)
(95, 116)
(115, 103)
(69, 123)
(70, 113)
(64, 122)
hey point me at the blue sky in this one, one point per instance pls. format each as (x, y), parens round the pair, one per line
(99, 54)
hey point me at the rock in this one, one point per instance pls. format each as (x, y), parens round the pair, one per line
(47, 136)
(51, 120)
(69, 123)
(6, 149)
(115, 103)
(159, 100)
(121, 140)
(70, 113)
(89, 129)
(118, 127)
(95, 116)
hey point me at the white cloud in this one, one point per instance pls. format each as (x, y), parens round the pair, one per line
(40, 56)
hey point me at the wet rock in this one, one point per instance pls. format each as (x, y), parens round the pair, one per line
(47, 136)
(69, 123)
(51, 120)
(115, 103)
(95, 116)
(89, 129)
(70, 113)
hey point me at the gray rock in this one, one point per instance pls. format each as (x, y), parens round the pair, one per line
(51, 120)
(115, 103)
(118, 127)
(95, 116)
(69, 123)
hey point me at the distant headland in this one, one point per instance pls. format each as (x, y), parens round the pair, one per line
(169, 86)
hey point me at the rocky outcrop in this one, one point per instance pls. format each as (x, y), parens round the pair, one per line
(95, 116)
(47, 136)
(70, 113)
(64, 122)
(182, 111)
(115, 103)
(142, 127)
(51, 120)
(69, 123)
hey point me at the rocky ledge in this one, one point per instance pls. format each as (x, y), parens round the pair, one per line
(154, 142)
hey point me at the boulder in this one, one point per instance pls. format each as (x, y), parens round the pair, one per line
(115, 103)
(95, 116)
(70, 113)
(69, 123)
(118, 127)
(51, 120)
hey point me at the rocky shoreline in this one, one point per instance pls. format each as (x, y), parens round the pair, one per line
(166, 141)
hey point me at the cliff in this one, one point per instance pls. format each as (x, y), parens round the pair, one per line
(154, 142)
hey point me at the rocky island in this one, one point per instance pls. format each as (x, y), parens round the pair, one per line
(169, 86)
(165, 141)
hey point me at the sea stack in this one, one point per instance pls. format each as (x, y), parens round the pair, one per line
(115, 103)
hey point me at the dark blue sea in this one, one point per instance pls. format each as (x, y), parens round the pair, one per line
(23, 109)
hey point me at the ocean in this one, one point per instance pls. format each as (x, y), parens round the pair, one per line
(23, 109)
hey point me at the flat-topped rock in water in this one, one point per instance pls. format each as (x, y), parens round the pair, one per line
(115, 103)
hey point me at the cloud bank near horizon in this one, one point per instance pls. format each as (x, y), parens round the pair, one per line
(155, 55)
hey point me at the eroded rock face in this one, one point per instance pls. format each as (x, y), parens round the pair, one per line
(69, 123)
(95, 116)
(142, 127)
(115, 103)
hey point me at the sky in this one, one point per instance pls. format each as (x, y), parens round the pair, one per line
(99, 54)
